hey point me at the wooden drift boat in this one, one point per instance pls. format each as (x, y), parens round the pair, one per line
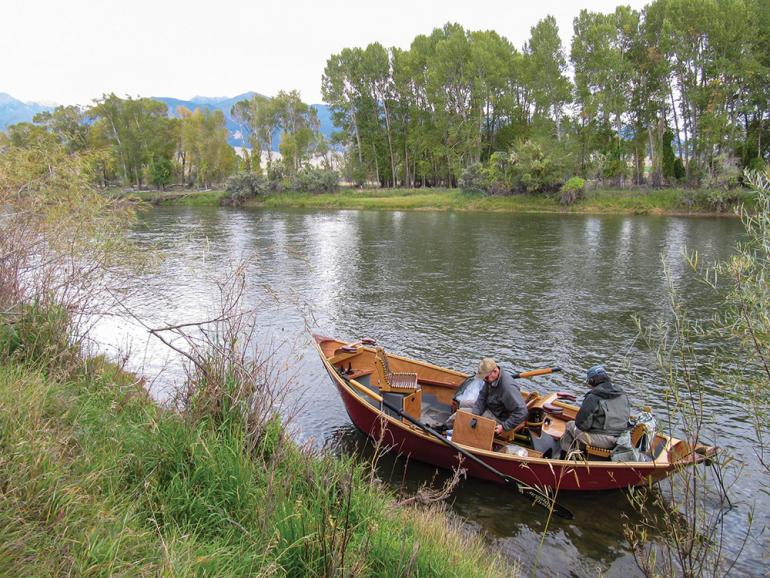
(374, 384)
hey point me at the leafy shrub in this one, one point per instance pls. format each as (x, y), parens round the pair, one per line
(718, 200)
(537, 168)
(276, 174)
(499, 174)
(572, 191)
(612, 165)
(473, 179)
(245, 185)
(758, 164)
(310, 179)
(721, 201)
(160, 171)
(725, 173)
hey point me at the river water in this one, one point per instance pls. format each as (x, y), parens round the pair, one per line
(529, 290)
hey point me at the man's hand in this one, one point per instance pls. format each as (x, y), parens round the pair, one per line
(455, 406)
(499, 429)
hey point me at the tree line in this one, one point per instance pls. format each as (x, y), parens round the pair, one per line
(676, 92)
(135, 142)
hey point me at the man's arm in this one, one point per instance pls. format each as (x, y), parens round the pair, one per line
(516, 405)
(584, 417)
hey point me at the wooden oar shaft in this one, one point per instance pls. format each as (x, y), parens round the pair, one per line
(535, 372)
(364, 389)
(538, 497)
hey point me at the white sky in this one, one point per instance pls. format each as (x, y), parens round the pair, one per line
(73, 51)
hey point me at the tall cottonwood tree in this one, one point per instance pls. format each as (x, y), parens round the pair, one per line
(203, 145)
(695, 69)
(258, 118)
(299, 126)
(139, 130)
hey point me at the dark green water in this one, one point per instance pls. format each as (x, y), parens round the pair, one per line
(449, 288)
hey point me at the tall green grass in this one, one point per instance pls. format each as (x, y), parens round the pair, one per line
(96, 479)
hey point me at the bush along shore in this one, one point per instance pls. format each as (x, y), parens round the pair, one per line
(97, 479)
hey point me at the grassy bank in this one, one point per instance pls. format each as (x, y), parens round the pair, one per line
(640, 201)
(96, 479)
(601, 201)
(183, 197)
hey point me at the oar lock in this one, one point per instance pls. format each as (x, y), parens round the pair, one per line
(353, 347)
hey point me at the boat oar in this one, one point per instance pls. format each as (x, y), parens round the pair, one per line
(535, 372)
(537, 496)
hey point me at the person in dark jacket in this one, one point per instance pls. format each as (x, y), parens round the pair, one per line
(500, 398)
(603, 415)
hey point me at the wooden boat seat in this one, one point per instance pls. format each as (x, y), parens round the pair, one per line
(598, 452)
(389, 381)
(636, 436)
(637, 433)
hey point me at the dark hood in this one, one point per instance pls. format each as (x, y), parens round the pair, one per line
(607, 390)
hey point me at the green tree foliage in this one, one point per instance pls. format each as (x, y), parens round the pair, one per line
(572, 191)
(138, 130)
(161, 171)
(538, 166)
(419, 116)
(258, 118)
(299, 125)
(698, 70)
(545, 72)
(205, 156)
(68, 124)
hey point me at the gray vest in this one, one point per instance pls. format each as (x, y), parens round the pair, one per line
(616, 413)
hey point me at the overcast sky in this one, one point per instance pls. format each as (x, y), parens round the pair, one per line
(72, 51)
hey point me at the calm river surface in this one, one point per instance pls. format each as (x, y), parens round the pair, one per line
(448, 288)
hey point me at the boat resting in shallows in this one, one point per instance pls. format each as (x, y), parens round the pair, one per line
(364, 375)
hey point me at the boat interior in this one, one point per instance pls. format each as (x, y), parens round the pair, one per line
(425, 392)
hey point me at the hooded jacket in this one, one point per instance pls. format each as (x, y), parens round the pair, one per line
(605, 410)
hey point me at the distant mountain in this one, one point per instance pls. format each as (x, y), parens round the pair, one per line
(13, 111)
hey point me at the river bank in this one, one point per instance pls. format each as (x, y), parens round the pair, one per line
(673, 202)
(97, 479)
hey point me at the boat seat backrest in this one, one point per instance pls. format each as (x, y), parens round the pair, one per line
(637, 433)
(388, 380)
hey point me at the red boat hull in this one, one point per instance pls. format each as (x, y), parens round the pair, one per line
(542, 473)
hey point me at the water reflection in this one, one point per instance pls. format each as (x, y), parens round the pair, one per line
(448, 288)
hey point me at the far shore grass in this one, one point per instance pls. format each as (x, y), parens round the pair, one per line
(638, 201)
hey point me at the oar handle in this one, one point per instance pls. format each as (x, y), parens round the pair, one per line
(535, 372)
